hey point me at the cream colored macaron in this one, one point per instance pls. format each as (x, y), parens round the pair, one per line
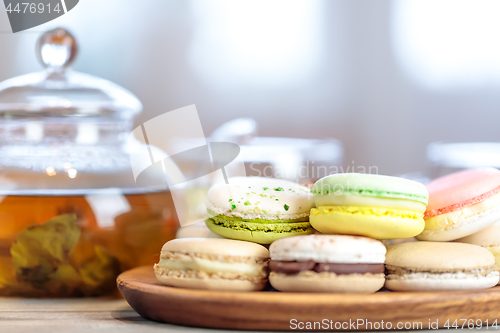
(488, 238)
(216, 264)
(426, 266)
(327, 263)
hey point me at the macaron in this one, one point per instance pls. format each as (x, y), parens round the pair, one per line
(258, 209)
(376, 206)
(210, 263)
(327, 264)
(461, 204)
(488, 238)
(427, 266)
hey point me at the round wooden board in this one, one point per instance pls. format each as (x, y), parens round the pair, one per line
(276, 310)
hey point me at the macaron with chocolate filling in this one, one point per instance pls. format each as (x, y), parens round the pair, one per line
(428, 266)
(327, 263)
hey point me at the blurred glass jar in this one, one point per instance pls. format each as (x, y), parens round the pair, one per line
(447, 157)
(72, 216)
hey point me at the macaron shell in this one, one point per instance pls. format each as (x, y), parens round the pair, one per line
(371, 222)
(327, 283)
(441, 284)
(211, 283)
(371, 185)
(466, 226)
(226, 247)
(495, 250)
(489, 236)
(462, 187)
(259, 232)
(439, 256)
(259, 197)
(328, 249)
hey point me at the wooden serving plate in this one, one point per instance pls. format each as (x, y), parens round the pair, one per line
(271, 310)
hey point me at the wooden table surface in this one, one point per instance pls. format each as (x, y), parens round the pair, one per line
(19, 315)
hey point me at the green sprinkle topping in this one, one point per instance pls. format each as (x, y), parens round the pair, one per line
(279, 189)
(263, 195)
(230, 200)
(233, 206)
(265, 188)
(265, 211)
(277, 199)
(246, 203)
(286, 207)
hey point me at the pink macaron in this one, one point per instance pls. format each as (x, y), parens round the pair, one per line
(461, 204)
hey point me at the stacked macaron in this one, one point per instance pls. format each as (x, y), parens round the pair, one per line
(353, 212)
(376, 206)
(462, 207)
(386, 207)
(258, 209)
(246, 211)
(461, 204)
(370, 206)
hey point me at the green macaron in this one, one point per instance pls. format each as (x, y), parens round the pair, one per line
(258, 209)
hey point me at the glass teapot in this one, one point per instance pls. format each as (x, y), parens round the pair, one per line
(72, 215)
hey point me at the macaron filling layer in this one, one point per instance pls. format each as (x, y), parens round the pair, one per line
(213, 215)
(359, 200)
(371, 211)
(202, 266)
(461, 205)
(295, 267)
(270, 226)
(395, 272)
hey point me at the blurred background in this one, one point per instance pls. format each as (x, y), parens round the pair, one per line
(385, 77)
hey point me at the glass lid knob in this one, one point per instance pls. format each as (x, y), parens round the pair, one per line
(56, 49)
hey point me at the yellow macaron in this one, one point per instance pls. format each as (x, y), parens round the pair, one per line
(376, 206)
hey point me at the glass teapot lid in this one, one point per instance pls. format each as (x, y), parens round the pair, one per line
(61, 130)
(60, 92)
